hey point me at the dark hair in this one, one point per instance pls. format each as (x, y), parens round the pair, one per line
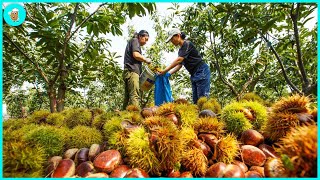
(142, 33)
(182, 35)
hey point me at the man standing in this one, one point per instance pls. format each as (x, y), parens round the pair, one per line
(132, 68)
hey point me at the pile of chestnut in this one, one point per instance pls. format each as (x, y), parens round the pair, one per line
(256, 160)
(91, 163)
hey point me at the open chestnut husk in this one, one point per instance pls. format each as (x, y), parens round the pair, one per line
(204, 147)
(146, 112)
(173, 118)
(210, 139)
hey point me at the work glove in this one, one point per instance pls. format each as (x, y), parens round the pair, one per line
(147, 60)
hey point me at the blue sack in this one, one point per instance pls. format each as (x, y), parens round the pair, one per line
(162, 89)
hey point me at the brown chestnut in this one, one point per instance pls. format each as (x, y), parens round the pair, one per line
(172, 117)
(274, 168)
(216, 170)
(107, 161)
(136, 173)
(174, 174)
(70, 153)
(65, 168)
(207, 113)
(252, 156)
(146, 112)
(120, 171)
(209, 139)
(98, 175)
(232, 170)
(82, 156)
(84, 169)
(186, 174)
(252, 174)
(242, 165)
(258, 169)
(94, 150)
(53, 163)
(251, 137)
(247, 113)
(268, 151)
(204, 147)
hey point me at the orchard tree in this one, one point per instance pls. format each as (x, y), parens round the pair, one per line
(255, 47)
(60, 45)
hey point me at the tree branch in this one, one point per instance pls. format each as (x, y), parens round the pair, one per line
(85, 49)
(84, 21)
(224, 80)
(28, 58)
(281, 65)
(61, 60)
(73, 19)
(244, 87)
(219, 70)
(294, 17)
(255, 81)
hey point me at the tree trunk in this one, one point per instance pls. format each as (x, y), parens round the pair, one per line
(61, 96)
(62, 88)
(294, 17)
(52, 98)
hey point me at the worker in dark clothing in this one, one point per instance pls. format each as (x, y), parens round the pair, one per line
(190, 58)
(132, 68)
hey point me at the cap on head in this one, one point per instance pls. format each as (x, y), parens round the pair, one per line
(172, 32)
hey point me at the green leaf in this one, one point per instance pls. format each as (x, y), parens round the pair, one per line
(269, 25)
(95, 30)
(287, 162)
(118, 31)
(132, 10)
(89, 28)
(49, 15)
(90, 78)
